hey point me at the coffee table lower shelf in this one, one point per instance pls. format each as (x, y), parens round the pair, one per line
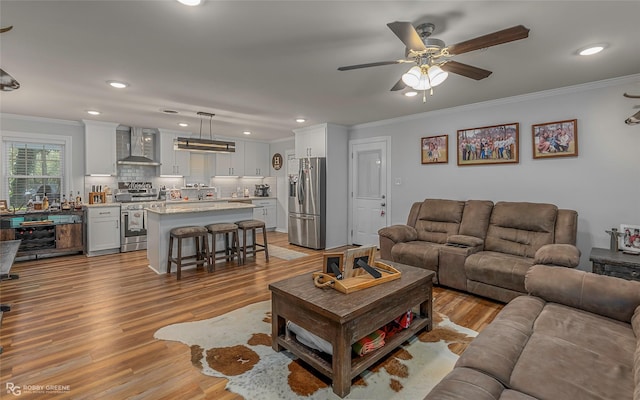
(358, 364)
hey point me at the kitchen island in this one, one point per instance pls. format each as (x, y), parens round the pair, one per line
(160, 221)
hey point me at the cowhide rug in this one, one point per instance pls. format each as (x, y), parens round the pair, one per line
(237, 346)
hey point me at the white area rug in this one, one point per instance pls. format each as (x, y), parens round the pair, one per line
(239, 343)
(285, 254)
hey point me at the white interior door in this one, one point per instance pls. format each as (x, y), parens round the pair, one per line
(368, 191)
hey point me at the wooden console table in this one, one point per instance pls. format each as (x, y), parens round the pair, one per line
(343, 319)
(615, 263)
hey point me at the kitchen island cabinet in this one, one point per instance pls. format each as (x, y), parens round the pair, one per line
(103, 229)
(161, 220)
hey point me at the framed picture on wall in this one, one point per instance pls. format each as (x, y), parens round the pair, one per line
(434, 149)
(555, 139)
(497, 144)
(630, 238)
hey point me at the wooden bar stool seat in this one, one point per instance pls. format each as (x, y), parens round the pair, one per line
(252, 225)
(200, 235)
(231, 249)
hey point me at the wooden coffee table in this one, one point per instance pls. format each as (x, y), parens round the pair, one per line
(343, 319)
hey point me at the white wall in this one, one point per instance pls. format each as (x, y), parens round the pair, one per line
(601, 184)
(282, 180)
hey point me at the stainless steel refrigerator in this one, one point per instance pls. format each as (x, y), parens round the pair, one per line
(307, 204)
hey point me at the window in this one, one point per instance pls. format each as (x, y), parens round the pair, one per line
(33, 169)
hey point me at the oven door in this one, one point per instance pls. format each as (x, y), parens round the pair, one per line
(133, 230)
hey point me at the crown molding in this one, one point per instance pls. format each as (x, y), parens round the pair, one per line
(31, 118)
(629, 79)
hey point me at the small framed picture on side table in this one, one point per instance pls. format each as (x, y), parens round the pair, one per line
(630, 238)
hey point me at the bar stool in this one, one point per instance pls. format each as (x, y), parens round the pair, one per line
(198, 233)
(252, 225)
(230, 252)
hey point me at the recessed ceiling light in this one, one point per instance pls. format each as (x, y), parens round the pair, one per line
(300, 120)
(247, 133)
(183, 124)
(411, 94)
(591, 50)
(93, 112)
(118, 84)
(190, 2)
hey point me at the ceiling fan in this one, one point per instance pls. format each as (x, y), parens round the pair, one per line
(635, 118)
(432, 58)
(7, 82)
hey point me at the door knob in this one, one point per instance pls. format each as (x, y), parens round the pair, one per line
(383, 204)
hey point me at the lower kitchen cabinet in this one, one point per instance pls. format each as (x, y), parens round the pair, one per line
(103, 230)
(266, 211)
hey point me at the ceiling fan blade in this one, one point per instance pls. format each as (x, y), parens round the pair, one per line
(466, 70)
(491, 39)
(407, 34)
(398, 86)
(7, 29)
(374, 64)
(631, 96)
(7, 83)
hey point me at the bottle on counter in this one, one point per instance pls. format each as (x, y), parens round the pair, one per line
(65, 203)
(78, 200)
(45, 202)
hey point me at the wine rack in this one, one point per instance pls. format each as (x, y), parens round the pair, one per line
(36, 237)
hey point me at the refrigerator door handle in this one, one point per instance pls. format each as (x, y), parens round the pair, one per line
(301, 183)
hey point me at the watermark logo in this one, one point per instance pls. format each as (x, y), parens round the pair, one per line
(16, 390)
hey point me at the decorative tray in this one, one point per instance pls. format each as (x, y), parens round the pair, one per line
(358, 282)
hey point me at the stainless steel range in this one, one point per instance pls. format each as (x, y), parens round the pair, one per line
(134, 198)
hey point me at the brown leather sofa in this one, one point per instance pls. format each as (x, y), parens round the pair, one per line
(576, 336)
(480, 247)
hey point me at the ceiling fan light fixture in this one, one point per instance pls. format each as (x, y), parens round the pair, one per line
(412, 77)
(423, 83)
(437, 75)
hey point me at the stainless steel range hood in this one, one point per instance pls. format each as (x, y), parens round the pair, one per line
(204, 145)
(140, 140)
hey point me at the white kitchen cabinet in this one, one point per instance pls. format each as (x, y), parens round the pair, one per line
(312, 141)
(231, 164)
(100, 148)
(256, 159)
(266, 211)
(174, 162)
(103, 230)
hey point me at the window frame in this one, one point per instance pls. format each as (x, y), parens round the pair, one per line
(36, 138)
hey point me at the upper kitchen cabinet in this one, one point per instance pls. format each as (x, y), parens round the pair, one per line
(100, 148)
(174, 162)
(256, 159)
(231, 164)
(313, 141)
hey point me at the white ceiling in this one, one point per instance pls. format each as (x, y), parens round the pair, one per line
(260, 64)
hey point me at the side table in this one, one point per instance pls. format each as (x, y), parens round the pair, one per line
(615, 263)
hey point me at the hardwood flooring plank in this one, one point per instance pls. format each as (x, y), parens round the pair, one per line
(89, 322)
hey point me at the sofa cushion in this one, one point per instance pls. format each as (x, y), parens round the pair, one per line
(417, 253)
(605, 295)
(438, 219)
(475, 218)
(466, 383)
(498, 269)
(574, 354)
(520, 228)
(496, 350)
(565, 255)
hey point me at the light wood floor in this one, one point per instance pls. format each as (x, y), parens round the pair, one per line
(89, 322)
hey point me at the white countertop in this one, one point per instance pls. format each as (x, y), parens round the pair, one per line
(190, 208)
(190, 201)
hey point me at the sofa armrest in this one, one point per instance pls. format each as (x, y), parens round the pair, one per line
(399, 233)
(464, 241)
(565, 255)
(604, 295)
